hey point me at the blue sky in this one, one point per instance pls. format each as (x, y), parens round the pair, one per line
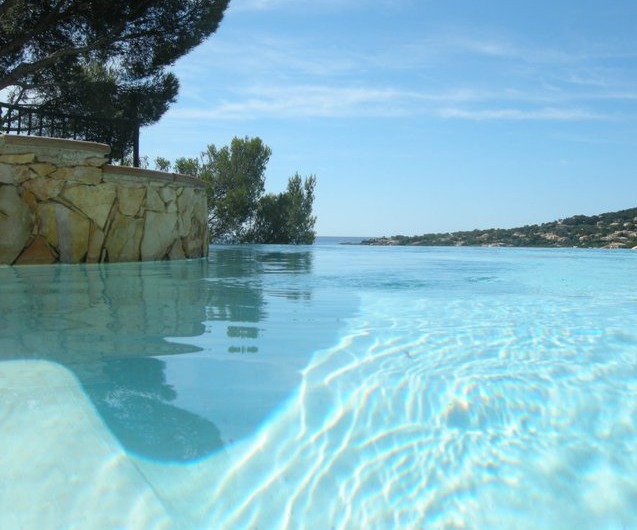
(422, 116)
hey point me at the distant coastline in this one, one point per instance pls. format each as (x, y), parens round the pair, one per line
(340, 240)
(607, 230)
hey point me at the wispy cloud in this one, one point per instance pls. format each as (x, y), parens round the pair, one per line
(330, 101)
(303, 101)
(515, 114)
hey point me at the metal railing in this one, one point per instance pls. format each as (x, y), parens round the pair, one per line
(121, 134)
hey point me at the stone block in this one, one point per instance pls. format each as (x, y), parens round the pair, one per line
(186, 197)
(30, 200)
(130, 199)
(124, 239)
(95, 244)
(25, 158)
(65, 231)
(184, 226)
(154, 202)
(86, 175)
(44, 188)
(42, 170)
(95, 202)
(160, 232)
(10, 174)
(95, 161)
(169, 196)
(16, 224)
(37, 253)
(195, 243)
(176, 251)
(200, 209)
(73, 231)
(22, 173)
(185, 205)
(47, 222)
(6, 174)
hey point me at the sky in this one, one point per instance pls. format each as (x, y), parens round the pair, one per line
(421, 116)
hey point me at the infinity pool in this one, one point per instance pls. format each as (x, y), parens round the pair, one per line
(331, 386)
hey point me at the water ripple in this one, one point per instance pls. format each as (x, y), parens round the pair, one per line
(430, 422)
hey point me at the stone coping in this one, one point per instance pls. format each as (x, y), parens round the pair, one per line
(150, 174)
(57, 143)
(100, 150)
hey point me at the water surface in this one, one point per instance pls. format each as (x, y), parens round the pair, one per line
(347, 387)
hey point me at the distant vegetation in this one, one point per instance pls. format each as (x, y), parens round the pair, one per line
(607, 230)
(239, 209)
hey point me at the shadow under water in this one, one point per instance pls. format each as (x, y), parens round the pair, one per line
(134, 401)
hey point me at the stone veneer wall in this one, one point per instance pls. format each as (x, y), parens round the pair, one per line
(61, 202)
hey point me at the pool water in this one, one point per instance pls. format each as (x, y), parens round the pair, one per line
(331, 386)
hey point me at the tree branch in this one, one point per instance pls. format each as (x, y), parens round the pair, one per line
(50, 19)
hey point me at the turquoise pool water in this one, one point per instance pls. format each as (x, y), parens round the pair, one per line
(322, 387)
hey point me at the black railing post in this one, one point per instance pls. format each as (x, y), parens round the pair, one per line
(135, 144)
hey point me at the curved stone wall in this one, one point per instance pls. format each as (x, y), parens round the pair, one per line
(61, 202)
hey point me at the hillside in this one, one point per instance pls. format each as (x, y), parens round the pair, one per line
(607, 230)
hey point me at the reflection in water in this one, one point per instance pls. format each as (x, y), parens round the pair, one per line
(104, 322)
(264, 321)
(110, 323)
(238, 295)
(76, 314)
